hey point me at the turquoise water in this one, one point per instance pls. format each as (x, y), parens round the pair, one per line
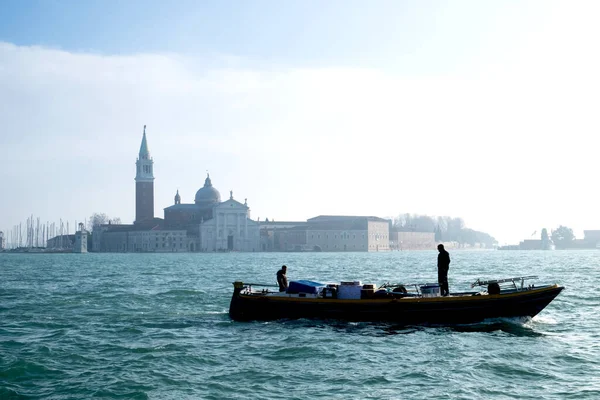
(156, 326)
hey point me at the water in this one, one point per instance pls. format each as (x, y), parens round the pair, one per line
(139, 326)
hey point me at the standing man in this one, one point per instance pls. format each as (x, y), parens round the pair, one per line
(282, 279)
(443, 267)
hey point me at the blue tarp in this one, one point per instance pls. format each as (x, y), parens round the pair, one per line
(304, 286)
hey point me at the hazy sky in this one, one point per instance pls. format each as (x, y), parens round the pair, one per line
(482, 110)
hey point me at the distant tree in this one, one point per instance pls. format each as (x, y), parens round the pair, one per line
(444, 228)
(413, 223)
(401, 222)
(438, 234)
(544, 235)
(98, 219)
(423, 223)
(456, 224)
(442, 224)
(562, 236)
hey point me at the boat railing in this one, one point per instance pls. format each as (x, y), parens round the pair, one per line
(407, 286)
(259, 284)
(514, 281)
(248, 285)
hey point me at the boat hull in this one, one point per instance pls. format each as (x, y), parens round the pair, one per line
(416, 310)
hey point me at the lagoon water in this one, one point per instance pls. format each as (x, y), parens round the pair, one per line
(139, 326)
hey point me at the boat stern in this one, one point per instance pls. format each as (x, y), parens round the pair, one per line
(235, 308)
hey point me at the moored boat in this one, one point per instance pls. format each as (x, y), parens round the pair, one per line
(405, 304)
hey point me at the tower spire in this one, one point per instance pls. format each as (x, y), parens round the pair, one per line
(144, 152)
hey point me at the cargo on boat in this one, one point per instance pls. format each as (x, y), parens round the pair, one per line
(400, 303)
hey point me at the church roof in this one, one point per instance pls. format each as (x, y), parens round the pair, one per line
(345, 218)
(207, 195)
(342, 222)
(283, 223)
(182, 207)
(231, 203)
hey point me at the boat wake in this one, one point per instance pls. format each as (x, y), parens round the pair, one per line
(517, 326)
(543, 319)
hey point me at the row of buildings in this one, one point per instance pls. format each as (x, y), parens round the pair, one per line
(209, 224)
(212, 225)
(222, 233)
(591, 240)
(322, 233)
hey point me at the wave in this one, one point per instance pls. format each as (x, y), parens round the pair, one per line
(517, 326)
(27, 368)
(7, 393)
(182, 292)
(543, 319)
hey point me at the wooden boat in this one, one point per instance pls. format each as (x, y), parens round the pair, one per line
(397, 303)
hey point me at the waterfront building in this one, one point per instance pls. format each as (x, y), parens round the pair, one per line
(531, 244)
(2, 242)
(283, 235)
(412, 240)
(327, 233)
(592, 238)
(61, 242)
(130, 238)
(81, 240)
(348, 233)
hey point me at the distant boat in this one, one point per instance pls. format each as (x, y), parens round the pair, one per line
(353, 301)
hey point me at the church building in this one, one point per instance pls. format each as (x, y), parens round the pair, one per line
(211, 225)
(214, 225)
(205, 225)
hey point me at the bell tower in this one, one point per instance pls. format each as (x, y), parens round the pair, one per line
(144, 183)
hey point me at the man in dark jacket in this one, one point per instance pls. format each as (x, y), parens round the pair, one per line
(282, 279)
(443, 266)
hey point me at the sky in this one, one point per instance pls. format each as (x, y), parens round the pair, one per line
(486, 111)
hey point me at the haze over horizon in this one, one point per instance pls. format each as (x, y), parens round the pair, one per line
(479, 110)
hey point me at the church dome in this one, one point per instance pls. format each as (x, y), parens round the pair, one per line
(207, 195)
